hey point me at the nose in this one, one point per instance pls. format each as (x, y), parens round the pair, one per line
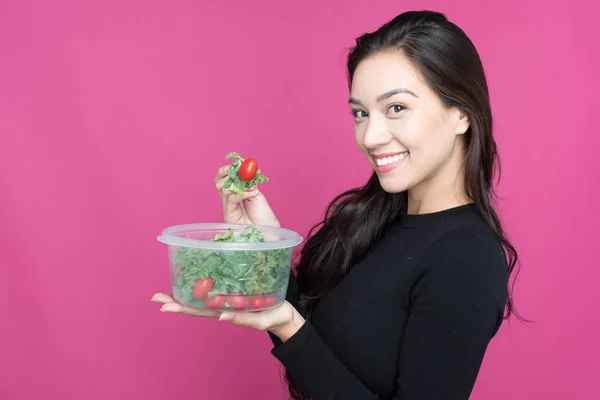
(376, 133)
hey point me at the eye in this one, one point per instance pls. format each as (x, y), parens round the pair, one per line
(396, 108)
(359, 114)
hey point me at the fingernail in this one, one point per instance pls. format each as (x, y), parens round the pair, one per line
(225, 317)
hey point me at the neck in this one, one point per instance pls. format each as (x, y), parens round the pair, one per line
(445, 190)
(436, 199)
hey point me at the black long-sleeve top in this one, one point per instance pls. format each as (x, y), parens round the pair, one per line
(411, 320)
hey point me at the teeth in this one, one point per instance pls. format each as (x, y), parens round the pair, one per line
(390, 159)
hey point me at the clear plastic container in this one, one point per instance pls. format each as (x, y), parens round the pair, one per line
(240, 275)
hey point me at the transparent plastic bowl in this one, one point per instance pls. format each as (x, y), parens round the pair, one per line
(225, 276)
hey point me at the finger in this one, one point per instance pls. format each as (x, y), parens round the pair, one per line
(181, 309)
(236, 198)
(250, 192)
(221, 172)
(220, 183)
(255, 194)
(163, 298)
(256, 320)
(232, 203)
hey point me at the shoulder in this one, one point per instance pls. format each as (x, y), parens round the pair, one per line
(469, 244)
(465, 252)
(466, 265)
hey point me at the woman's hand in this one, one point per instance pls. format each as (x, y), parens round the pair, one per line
(251, 208)
(283, 321)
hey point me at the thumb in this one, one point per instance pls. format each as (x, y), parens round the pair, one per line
(251, 194)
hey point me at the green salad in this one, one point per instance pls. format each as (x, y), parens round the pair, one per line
(242, 174)
(235, 279)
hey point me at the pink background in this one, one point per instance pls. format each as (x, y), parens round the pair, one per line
(115, 115)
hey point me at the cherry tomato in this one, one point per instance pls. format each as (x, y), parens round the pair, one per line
(248, 169)
(257, 301)
(202, 287)
(238, 301)
(270, 300)
(218, 301)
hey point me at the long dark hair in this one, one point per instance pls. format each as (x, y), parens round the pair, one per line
(356, 219)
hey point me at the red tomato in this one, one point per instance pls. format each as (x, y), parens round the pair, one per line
(248, 169)
(218, 301)
(257, 301)
(202, 287)
(238, 301)
(270, 300)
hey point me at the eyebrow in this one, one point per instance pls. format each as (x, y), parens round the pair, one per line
(384, 96)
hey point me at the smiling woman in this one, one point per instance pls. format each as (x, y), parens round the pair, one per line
(408, 133)
(401, 287)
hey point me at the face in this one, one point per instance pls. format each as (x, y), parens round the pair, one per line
(401, 125)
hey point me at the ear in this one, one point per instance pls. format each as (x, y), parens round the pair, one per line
(463, 123)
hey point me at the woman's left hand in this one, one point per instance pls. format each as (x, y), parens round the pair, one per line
(283, 321)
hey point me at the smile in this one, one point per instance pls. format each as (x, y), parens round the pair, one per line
(390, 159)
(387, 162)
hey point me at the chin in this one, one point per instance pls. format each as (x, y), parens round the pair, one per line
(391, 185)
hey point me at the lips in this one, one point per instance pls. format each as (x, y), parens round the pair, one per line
(389, 158)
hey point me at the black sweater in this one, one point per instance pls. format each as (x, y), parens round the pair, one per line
(411, 320)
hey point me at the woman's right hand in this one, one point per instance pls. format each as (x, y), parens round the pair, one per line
(251, 208)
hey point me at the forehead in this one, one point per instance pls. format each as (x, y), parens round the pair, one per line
(383, 72)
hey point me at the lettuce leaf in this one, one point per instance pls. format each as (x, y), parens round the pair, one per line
(234, 183)
(249, 272)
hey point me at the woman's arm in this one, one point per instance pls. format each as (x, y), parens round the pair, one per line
(457, 303)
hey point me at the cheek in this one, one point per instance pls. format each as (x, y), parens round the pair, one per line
(426, 138)
(407, 132)
(359, 138)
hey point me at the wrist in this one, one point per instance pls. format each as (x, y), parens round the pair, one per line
(290, 328)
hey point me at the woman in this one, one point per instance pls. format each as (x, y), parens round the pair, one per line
(402, 287)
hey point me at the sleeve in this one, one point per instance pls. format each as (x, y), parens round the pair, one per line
(456, 304)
